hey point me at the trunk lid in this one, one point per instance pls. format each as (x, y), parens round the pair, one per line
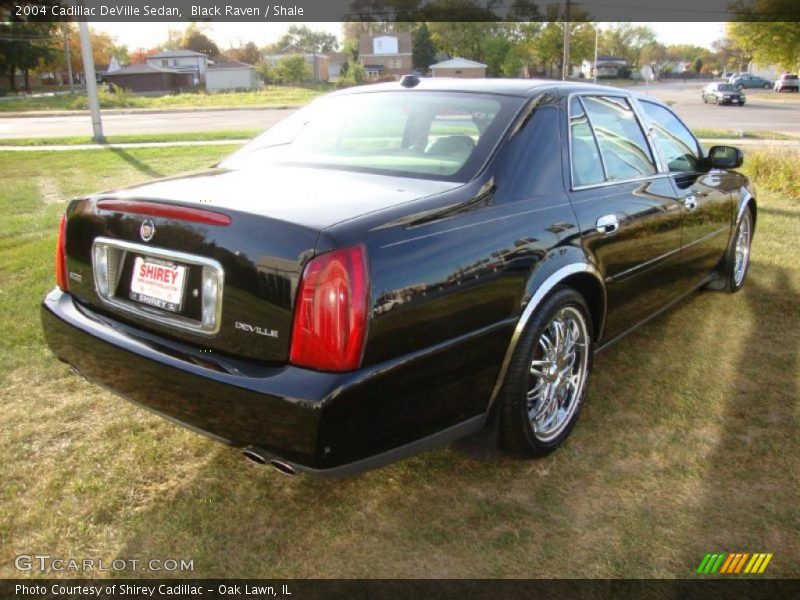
(275, 216)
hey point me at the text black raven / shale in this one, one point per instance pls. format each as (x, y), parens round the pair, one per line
(267, 11)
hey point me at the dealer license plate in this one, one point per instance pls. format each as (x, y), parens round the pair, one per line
(158, 283)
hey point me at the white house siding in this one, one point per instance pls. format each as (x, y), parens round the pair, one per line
(231, 79)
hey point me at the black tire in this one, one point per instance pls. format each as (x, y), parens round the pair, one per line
(516, 429)
(705, 100)
(731, 282)
(765, 86)
(740, 87)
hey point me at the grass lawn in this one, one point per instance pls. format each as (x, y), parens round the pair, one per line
(711, 134)
(688, 442)
(76, 140)
(269, 96)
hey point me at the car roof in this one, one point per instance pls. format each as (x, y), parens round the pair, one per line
(509, 87)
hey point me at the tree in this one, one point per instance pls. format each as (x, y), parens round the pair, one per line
(423, 50)
(626, 40)
(174, 40)
(301, 37)
(767, 42)
(196, 40)
(731, 55)
(697, 65)
(266, 71)
(249, 53)
(292, 69)
(548, 47)
(140, 55)
(512, 64)
(25, 47)
(527, 33)
(493, 53)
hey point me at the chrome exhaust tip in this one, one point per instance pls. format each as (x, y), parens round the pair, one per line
(254, 456)
(283, 467)
(257, 456)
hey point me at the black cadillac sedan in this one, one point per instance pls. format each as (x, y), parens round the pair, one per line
(399, 265)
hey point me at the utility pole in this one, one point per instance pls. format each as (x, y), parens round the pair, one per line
(565, 70)
(596, 42)
(68, 58)
(91, 83)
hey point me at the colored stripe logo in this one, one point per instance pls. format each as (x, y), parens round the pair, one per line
(734, 563)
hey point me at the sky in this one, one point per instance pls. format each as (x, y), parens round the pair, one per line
(136, 35)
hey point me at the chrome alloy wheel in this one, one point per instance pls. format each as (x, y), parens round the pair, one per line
(742, 251)
(558, 373)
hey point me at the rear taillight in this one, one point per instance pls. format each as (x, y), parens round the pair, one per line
(61, 256)
(330, 320)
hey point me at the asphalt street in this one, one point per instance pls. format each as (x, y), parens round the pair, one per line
(765, 111)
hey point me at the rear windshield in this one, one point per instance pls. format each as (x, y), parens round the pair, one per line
(431, 135)
(725, 87)
(789, 76)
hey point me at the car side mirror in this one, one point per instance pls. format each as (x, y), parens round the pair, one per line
(725, 157)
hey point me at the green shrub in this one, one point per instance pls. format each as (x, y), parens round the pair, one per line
(113, 97)
(776, 168)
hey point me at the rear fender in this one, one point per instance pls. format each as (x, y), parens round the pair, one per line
(561, 265)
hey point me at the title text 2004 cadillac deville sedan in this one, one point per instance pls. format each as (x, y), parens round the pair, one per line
(397, 266)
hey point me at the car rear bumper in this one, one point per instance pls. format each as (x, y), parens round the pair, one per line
(332, 424)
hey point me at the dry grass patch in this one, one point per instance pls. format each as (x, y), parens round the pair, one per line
(688, 443)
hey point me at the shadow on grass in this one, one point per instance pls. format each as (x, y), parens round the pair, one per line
(626, 496)
(779, 212)
(752, 472)
(140, 166)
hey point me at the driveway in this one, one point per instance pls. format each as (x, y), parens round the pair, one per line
(760, 114)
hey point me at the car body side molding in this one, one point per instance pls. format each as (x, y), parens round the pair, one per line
(542, 290)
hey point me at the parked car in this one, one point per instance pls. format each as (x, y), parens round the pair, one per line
(746, 80)
(399, 265)
(722, 93)
(787, 81)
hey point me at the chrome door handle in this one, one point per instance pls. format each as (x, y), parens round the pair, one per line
(690, 202)
(607, 224)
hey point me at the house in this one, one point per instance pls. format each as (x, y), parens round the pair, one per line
(185, 61)
(318, 63)
(607, 66)
(386, 54)
(458, 67)
(145, 78)
(336, 60)
(769, 72)
(231, 75)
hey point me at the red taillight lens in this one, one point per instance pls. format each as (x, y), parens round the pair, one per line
(330, 319)
(61, 256)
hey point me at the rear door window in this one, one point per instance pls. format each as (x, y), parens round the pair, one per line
(587, 166)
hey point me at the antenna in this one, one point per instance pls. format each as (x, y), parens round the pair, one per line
(409, 81)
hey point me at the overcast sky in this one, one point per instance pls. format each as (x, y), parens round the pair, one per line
(136, 35)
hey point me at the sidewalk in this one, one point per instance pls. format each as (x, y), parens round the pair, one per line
(69, 148)
(140, 111)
